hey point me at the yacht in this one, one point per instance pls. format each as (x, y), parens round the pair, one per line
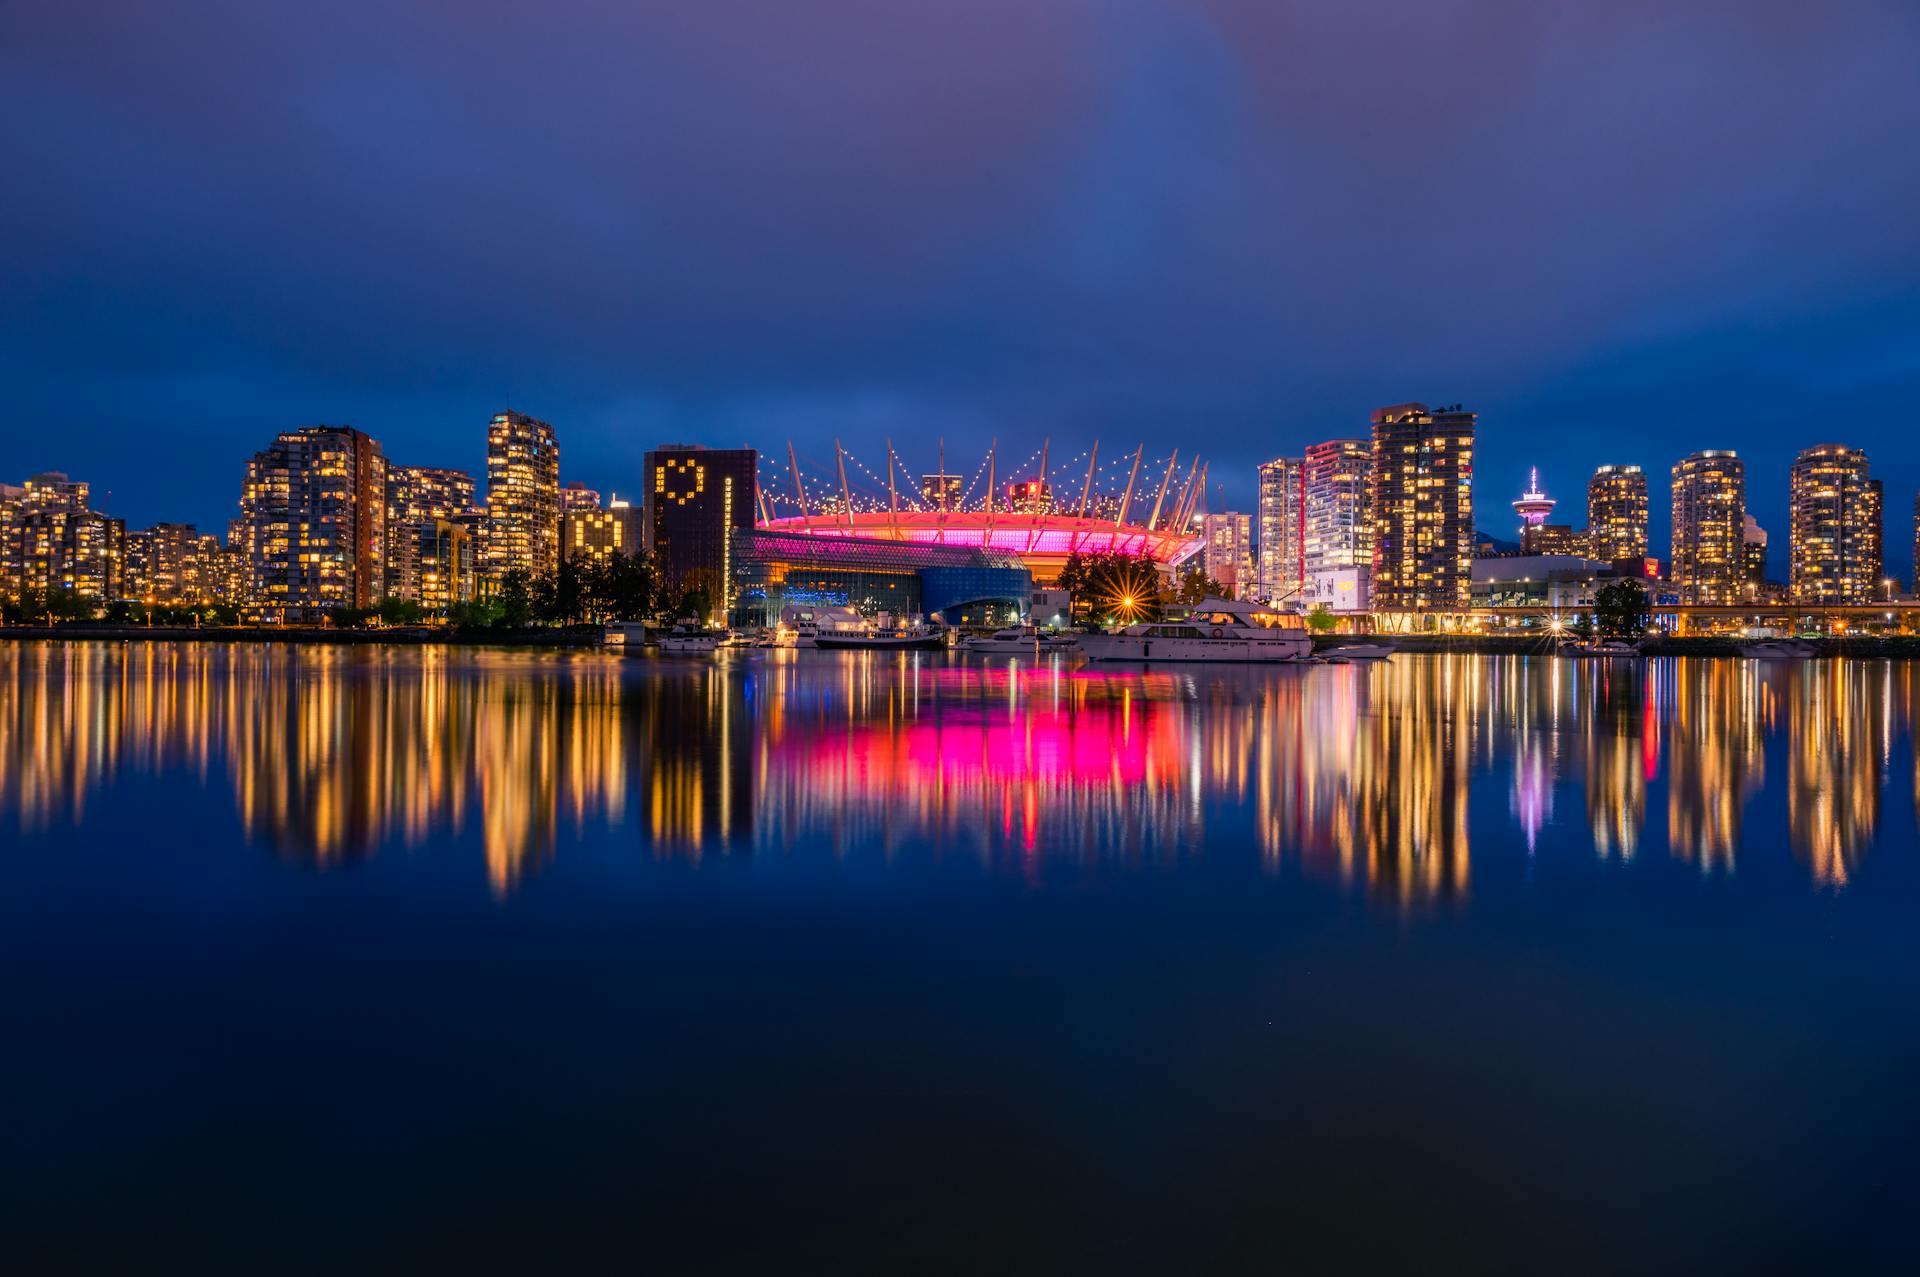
(688, 640)
(1777, 650)
(1020, 640)
(1215, 630)
(802, 626)
(1610, 648)
(905, 640)
(1359, 652)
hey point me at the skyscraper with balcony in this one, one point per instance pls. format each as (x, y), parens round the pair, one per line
(1227, 543)
(313, 512)
(523, 496)
(1617, 514)
(1709, 523)
(1283, 530)
(430, 543)
(1422, 501)
(1834, 528)
(51, 539)
(1339, 499)
(171, 563)
(578, 496)
(1753, 556)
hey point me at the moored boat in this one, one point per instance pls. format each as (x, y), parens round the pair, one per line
(902, 641)
(688, 641)
(1777, 650)
(1361, 651)
(1020, 640)
(1215, 630)
(1612, 648)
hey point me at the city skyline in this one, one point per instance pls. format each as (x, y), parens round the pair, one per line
(1120, 221)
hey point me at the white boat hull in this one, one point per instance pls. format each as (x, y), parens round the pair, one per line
(1283, 649)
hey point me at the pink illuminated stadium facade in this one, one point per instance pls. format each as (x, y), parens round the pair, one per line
(1038, 529)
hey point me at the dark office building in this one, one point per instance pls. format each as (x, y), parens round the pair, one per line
(696, 498)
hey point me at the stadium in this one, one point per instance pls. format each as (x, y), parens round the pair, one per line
(1039, 512)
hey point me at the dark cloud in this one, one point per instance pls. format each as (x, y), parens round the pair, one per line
(1620, 230)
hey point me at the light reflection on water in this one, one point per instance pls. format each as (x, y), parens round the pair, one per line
(1358, 775)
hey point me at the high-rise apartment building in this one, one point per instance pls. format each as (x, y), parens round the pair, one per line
(1833, 538)
(578, 496)
(50, 539)
(1753, 557)
(1283, 531)
(1709, 521)
(430, 520)
(941, 491)
(1554, 539)
(1617, 514)
(1227, 543)
(314, 521)
(170, 563)
(1339, 496)
(523, 496)
(696, 497)
(1422, 507)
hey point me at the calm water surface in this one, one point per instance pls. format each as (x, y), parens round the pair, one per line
(324, 959)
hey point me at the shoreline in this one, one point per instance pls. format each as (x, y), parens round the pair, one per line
(1901, 647)
(404, 636)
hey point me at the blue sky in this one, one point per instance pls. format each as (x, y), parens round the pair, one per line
(1620, 231)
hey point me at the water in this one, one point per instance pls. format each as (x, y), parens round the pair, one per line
(320, 959)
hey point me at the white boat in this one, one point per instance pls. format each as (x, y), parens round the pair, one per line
(1215, 630)
(1020, 640)
(1360, 651)
(686, 640)
(880, 641)
(1777, 650)
(802, 626)
(1609, 649)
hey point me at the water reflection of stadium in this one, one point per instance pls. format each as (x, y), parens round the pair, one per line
(1356, 775)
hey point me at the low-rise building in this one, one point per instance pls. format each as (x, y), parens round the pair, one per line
(1558, 582)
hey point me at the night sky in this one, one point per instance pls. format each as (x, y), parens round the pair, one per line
(1620, 234)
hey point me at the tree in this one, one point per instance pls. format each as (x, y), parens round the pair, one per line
(1196, 585)
(1073, 574)
(515, 600)
(1321, 620)
(695, 604)
(400, 612)
(472, 613)
(630, 587)
(1123, 587)
(1622, 610)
